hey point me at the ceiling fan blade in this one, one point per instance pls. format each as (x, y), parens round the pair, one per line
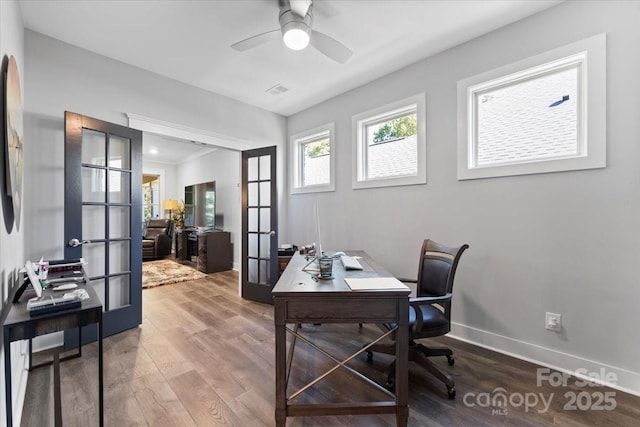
(300, 7)
(258, 40)
(330, 47)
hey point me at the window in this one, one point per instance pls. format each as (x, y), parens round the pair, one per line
(312, 160)
(150, 197)
(389, 145)
(544, 114)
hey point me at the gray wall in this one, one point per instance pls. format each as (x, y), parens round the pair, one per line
(559, 242)
(12, 240)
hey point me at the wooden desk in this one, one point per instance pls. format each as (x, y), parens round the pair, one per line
(19, 325)
(299, 299)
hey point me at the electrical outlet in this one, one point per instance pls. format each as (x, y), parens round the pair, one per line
(553, 322)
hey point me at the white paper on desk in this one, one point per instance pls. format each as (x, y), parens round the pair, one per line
(374, 283)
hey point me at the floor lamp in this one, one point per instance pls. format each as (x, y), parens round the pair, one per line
(170, 205)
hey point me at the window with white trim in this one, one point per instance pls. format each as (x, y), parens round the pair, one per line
(312, 160)
(544, 114)
(389, 145)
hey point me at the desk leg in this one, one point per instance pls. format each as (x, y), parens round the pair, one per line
(402, 364)
(7, 377)
(57, 398)
(100, 380)
(281, 364)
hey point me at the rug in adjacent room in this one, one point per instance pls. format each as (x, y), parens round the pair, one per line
(165, 271)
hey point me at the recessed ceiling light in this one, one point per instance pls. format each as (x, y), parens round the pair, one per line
(153, 151)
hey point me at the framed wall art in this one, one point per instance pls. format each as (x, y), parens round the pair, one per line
(14, 137)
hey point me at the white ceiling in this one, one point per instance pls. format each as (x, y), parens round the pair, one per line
(162, 149)
(190, 40)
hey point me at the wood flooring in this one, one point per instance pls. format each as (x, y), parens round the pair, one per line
(205, 357)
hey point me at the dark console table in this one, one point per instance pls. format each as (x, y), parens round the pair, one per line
(19, 325)
(208, 251)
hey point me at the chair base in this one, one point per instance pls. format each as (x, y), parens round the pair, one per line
(420, 354)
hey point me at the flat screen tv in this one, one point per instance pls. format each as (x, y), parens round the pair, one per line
(200, 205)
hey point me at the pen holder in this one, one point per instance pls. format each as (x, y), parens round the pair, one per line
(43, 270)
(326, 267)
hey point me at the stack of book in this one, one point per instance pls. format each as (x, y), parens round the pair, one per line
(50, 304)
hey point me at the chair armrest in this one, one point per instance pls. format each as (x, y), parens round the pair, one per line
(419, 301)
(408, 280)
(430, 300)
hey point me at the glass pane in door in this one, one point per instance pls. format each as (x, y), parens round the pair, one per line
(119, 149)
(119, 257)
(94, 184)
(252, 193)
(265, 168)
(93, 226)
(118, 291)
(253, 220)
(265, 193)
(119, 190)
(93, 254)
(252, 169)
(119, 221)
(94, 147)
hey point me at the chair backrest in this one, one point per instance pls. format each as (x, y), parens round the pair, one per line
(158, 226)
(437, 269)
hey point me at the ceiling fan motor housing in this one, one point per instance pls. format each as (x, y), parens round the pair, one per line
(289, 21)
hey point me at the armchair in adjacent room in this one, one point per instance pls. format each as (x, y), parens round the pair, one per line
(157, 238)
(429, 312)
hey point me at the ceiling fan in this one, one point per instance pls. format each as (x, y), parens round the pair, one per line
(296, 20)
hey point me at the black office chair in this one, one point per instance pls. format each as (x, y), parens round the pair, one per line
(429, 312)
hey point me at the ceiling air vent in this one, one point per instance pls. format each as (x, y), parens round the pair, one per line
(277, 90)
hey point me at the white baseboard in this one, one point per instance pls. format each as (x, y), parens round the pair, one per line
(625, 380)
(19, 376)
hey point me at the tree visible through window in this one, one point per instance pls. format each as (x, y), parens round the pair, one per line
(315, 162)
(312, 160)
(397, 128)
(390, 144)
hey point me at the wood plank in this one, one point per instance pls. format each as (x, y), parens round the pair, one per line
(202, 402)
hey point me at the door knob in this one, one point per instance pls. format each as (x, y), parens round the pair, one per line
(74, 243)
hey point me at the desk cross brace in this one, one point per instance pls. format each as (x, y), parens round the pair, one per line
(342, 363)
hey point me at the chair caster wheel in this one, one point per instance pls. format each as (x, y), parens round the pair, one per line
(451, 360)
(369, 356)
(451, 392)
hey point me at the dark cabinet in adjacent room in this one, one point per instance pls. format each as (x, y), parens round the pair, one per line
(214, 251)
(210, 251)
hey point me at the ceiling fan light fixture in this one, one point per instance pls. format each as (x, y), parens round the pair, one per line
(295, 37)
(296, 30)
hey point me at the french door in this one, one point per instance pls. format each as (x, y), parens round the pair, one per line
(103, 216)
(259, 224)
